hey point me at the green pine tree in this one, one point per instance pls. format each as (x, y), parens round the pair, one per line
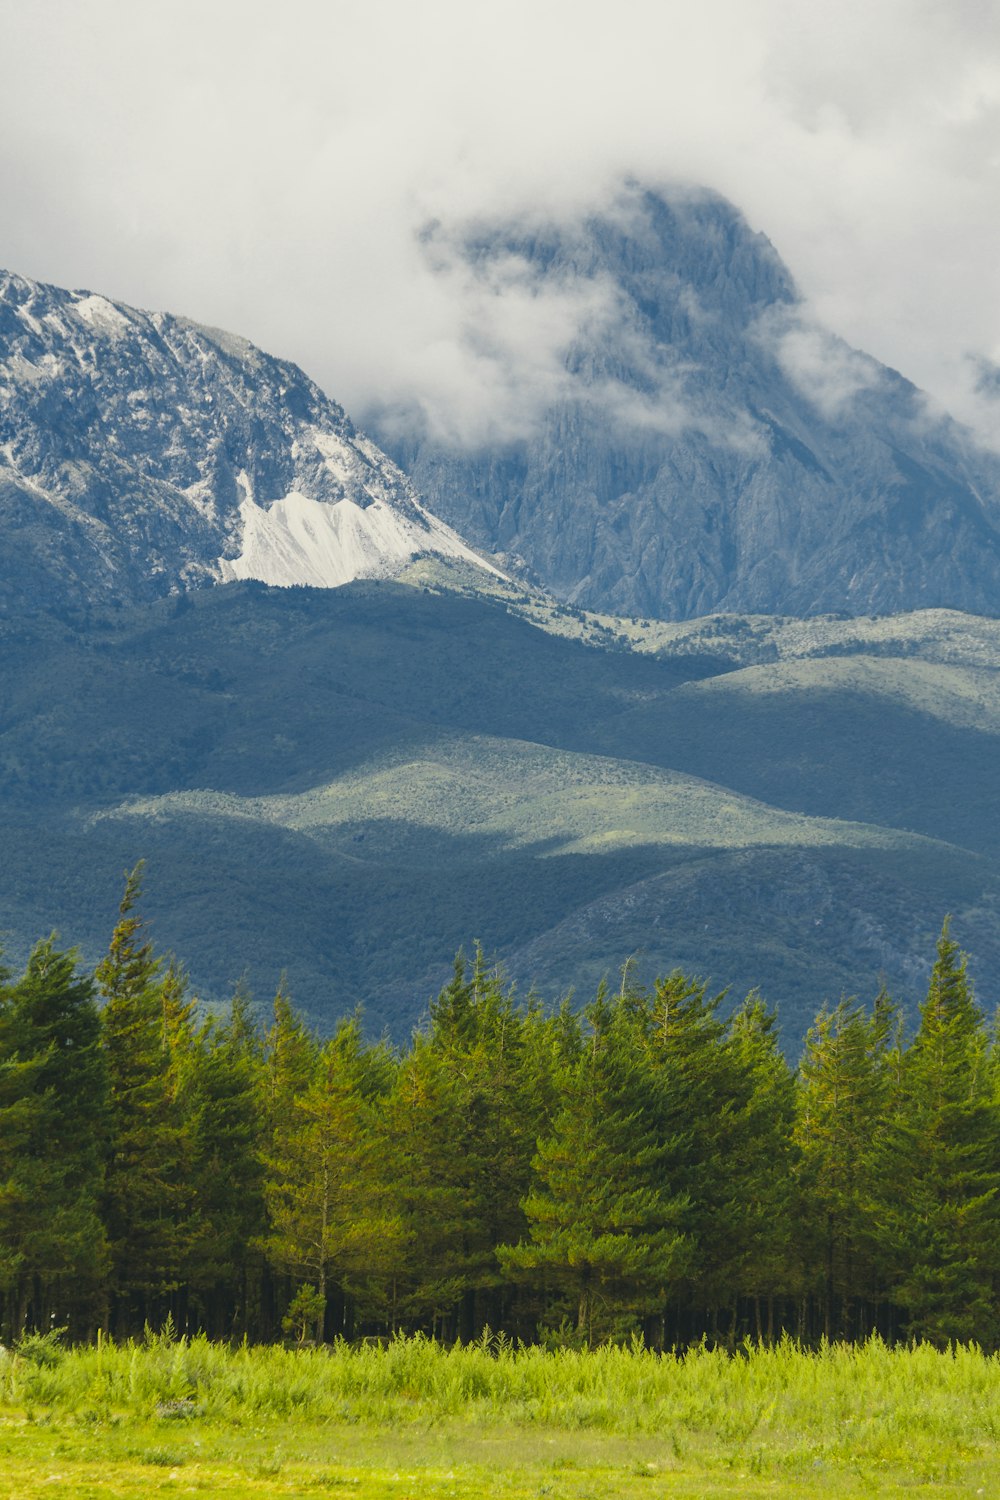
(762, 1160)
(935, 1192)
(21, 1108)
(327, 1221)
(704, 1099)
(604, 1220)
(497, 1113)
(428, 1187)
(147, 1191)
(63, 1244)
(844, 1095)
(223, 1094)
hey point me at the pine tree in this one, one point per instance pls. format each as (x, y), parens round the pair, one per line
(498, 1111)
(21, 1107)
(63, 1245)
(604, 1220)
(937, 1189)
(428, 1187)
(843, 1099)
(147, 1191)
(703, 1100)
(223, 1097)
(762, 1163)
(327, 1223)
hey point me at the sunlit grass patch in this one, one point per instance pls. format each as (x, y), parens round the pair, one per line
(186, 1416)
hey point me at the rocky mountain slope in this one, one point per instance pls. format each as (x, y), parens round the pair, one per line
(702, 445)
(141, 454)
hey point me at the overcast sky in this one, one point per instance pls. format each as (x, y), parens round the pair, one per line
(264, 166)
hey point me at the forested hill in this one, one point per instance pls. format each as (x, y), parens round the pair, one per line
(642, 1167)
(347, 786)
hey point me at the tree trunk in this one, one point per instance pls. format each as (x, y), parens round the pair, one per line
(323, 1236)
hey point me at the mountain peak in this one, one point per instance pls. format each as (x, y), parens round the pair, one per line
(661, 247)
(698, 443)
(141, 453)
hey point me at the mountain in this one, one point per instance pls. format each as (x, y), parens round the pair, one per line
(343, 785)
(142, 454)
(699, 444)
(346, 785)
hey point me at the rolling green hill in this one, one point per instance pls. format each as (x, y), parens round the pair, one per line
(347, 785)
(509, 795)
(910, 744)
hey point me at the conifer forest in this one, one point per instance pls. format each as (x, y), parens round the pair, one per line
(639, 1165)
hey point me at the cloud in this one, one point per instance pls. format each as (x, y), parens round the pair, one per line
(499, 358)
(823, 368)
(536, 324)
(518, 337)
(267, 169)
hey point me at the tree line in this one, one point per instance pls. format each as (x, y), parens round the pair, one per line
(642, 1164)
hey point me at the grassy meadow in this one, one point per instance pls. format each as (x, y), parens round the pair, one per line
(414, 1418)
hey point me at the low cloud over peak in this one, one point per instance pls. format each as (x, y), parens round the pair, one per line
(596, 310)
(266, 170)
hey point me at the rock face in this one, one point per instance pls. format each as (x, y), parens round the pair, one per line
(141, 454)
(706, 446)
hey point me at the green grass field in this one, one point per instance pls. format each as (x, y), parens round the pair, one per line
(414, 1419)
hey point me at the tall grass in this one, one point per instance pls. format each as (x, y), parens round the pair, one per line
(886, 1403)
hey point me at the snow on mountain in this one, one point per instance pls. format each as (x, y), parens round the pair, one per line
(142, 454)
(301, 540)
